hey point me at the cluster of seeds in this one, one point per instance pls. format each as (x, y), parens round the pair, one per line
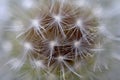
(61, 35)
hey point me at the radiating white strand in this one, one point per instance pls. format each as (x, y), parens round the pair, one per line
(99, 63)
(37, 27)
(22, 33)
(97, 66)
(80, 50)
(77, 46)
(62, 31)
(72, 70)
(98, 48)
(52, 44)
(28, 47)
(15, 64)
(63, 72)
(79, 24)
(104, 31)
(58, 20)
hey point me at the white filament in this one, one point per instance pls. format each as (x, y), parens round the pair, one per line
(15, 63)
(52, 44)
(39, 64)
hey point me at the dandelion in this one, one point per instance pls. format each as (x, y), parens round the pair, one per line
(59, 39)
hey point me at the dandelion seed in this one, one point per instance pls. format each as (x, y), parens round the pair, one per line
(58, 19)
(52, 44)
(72, 70)
(77, 45)
(79, 24)
(38, 28)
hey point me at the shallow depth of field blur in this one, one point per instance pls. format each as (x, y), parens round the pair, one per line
(11, 11)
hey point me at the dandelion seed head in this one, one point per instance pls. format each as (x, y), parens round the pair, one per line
(68, 18)
(61, 43)
(59, 38)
